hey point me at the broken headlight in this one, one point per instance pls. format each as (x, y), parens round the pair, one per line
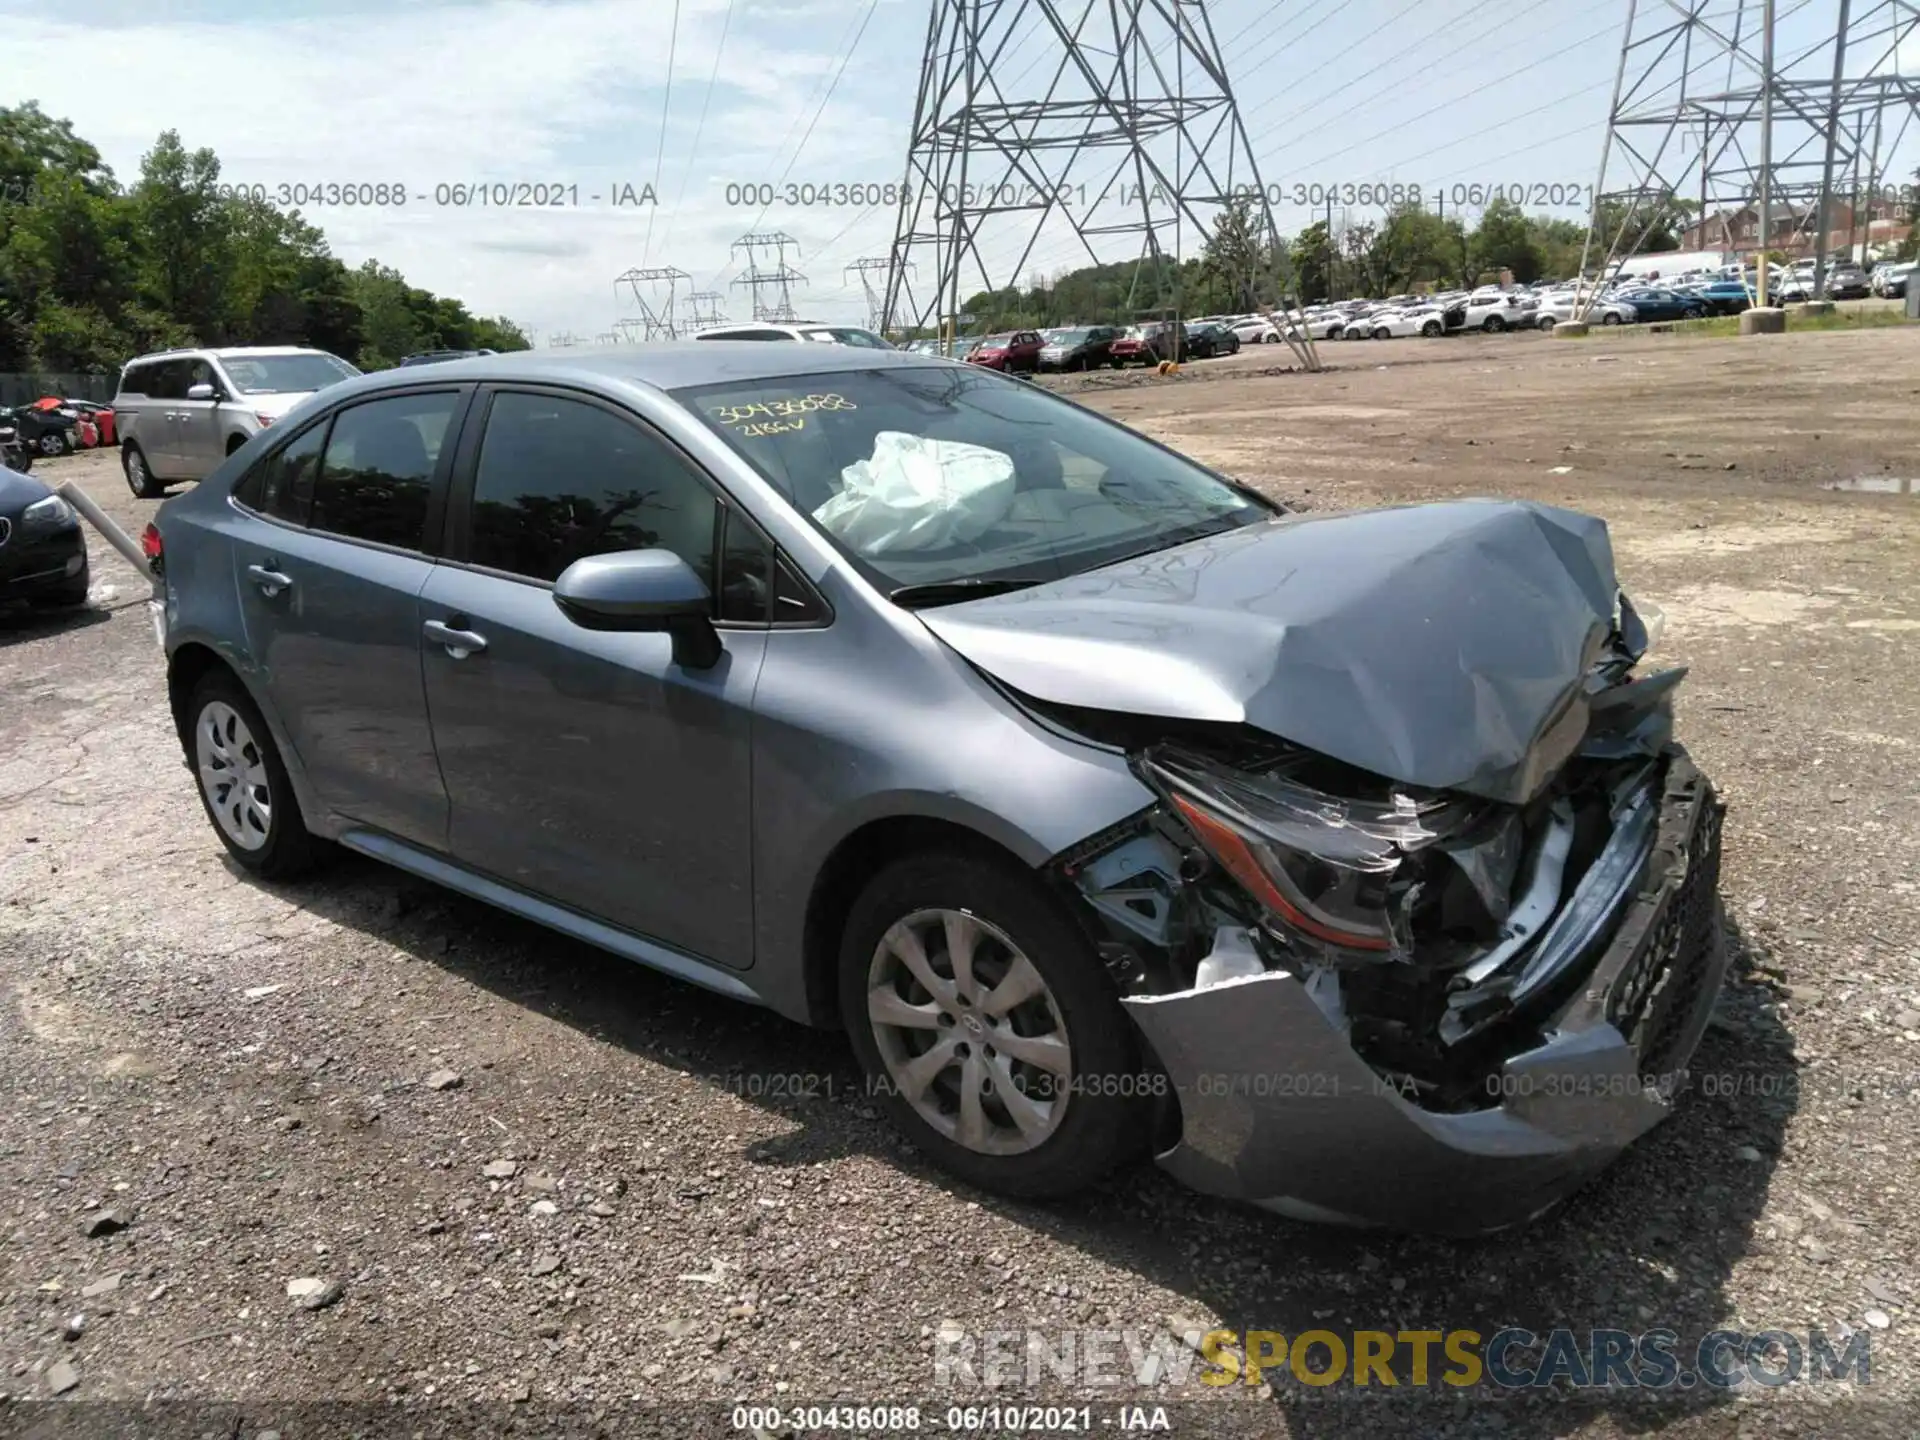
(1328, 867)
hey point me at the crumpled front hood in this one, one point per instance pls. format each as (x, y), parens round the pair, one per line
(1440, 645)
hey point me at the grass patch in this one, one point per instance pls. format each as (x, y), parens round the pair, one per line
(1877, 317)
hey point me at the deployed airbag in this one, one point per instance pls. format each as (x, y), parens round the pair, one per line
(914, 493)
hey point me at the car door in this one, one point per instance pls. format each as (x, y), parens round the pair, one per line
(583, 765)
(329, 566)
(196, 426)
(159, 417)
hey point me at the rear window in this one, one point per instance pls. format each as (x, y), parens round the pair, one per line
(377, 476)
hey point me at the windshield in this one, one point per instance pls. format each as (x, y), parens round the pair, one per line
(927, 475)
(285, 374)
(995, 342)
(1066, 337)
(848, 336)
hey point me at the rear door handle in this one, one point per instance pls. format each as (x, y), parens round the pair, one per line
(270, 580)
(459, 643)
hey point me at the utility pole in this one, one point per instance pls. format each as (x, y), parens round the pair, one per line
(1826, 172)
(1131, 131)
(778, 281)
(1766, 146)
(656, 321)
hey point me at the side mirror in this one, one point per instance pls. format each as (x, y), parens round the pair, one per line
(202, 391)
(643, 590)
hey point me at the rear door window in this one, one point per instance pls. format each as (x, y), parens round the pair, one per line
(376, 477)
(281, 485)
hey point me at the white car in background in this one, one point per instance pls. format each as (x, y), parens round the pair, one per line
(1254, 330)
(1557, 307)
(1500, 310)
(1410, 320)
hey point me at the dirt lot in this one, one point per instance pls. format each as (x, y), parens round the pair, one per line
(242, 1067)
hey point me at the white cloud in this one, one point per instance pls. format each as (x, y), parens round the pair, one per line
(566, 93)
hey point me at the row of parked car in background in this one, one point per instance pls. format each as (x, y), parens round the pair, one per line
(1091, 347)
(1626, 300)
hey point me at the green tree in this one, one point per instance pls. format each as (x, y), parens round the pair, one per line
(1238, 259)
(185, 230)
(1415, 248)
(1310, 253)
(1503, 240)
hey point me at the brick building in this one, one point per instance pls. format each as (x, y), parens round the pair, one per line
(1882, 225)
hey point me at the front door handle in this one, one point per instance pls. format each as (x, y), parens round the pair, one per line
(459, 643)
(270, 580)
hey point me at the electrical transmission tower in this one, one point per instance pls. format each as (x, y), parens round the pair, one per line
(771, 289)
(628, 330)
(657, 321)
(562, 340)
(705, 305)
(867, 268)
(1126, 139)
(1762, 126)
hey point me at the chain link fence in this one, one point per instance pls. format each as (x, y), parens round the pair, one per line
(23, 389)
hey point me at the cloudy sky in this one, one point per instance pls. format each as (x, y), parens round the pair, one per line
(694, 97)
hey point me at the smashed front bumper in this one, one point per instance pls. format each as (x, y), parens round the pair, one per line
(1276, 1108)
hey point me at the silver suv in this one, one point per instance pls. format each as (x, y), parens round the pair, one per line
(181, 412)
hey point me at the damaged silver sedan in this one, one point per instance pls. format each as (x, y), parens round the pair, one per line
(1347, 862)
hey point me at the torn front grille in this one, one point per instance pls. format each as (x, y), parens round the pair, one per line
(1658, 994)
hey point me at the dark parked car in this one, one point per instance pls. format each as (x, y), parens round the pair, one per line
(1013, 350)
(43, 554)
(1724, 297)
(1848, 282)
(1077, 348)
(1210, 342)
(1345, 858)
(1657, 304)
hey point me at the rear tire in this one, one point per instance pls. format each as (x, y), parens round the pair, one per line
(1075, 1077)
(1383, 333)
(1493, 324)
(140, 478)
(243, 784)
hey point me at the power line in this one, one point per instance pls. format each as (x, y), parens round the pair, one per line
(726, 23)
(846, 57)
(1347, 82)
(660, 150)
(1458, 99)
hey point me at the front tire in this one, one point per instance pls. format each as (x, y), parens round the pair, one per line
(243, 784)
(989, 1027)
(1609, 318)
(140, 478)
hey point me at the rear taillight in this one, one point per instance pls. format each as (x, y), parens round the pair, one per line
(153, 548)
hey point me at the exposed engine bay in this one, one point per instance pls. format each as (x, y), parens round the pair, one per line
(1434, 930)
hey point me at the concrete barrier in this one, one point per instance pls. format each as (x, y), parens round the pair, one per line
(1571, 329)
(1770, 320)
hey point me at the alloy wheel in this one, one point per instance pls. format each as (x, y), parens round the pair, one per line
(969, 1032)
(233, 775)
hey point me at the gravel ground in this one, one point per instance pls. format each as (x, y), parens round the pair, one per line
(362, 1142)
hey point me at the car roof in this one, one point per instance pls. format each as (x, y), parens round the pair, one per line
(226, 351)
(665, 365)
